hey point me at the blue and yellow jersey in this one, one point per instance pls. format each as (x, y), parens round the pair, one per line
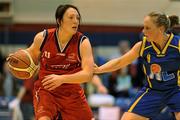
(162, 67)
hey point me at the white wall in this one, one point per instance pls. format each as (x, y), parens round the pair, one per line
(116, 12)
(7, 48)
(111, 12)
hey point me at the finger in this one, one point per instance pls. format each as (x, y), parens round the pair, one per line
(52, 88)
(46, 81)
(49, 87)
(47, 78)
(9, 56)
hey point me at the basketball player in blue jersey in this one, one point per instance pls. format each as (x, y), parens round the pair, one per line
(161, 62)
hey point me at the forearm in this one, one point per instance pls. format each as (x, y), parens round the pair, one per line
(78, 78)
(110, 66)
(120, 62)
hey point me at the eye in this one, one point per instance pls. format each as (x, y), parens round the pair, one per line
(70, 17)
(146, 28)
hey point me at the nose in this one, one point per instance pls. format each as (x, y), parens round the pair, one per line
(143, 31)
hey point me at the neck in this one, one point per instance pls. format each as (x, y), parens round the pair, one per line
(63, 36)
(162, 41)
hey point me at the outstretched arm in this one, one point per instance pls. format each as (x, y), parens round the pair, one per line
(120, 62)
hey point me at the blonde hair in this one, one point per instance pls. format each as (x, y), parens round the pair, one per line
(160, 19)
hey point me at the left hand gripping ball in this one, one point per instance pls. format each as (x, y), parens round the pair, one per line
(21, 64)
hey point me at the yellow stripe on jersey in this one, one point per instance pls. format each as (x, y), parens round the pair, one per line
(174, 46)
(155, 48)
(167, 44)
(161, 55)
(143, 46)
(149, 82)
(135, 103)
(179, 45)
(147, 47)
(178, 76)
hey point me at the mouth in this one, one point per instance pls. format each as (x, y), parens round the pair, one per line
(74, 27)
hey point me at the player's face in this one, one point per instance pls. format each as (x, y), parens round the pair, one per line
(150, 30)
(70, 21)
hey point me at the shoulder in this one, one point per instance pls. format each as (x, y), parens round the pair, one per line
(175, 40)
(38, 40)
(84, 41)
(50, 31)
(136, 48)
(81, 37)
(137, 45)
(177, 37)
(39, 37)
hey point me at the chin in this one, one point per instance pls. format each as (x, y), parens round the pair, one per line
(74, 30)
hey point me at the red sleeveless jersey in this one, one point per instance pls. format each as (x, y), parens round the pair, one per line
(69, 99)
(56, 60)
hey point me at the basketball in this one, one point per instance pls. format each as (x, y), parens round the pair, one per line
(21, 65)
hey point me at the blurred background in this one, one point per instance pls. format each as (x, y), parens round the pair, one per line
(113, 27)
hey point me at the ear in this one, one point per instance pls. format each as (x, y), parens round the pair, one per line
(162, 29)
(58, 22)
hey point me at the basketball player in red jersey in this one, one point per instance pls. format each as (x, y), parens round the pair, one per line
(66, 61)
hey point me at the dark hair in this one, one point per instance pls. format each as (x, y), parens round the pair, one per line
(160, 19)
(174, 20)
(61, 9)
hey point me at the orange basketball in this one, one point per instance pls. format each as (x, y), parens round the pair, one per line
(22, 65)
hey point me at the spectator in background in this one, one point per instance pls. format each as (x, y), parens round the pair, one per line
(123, 83)
(123, 47)
(1, 74)
(97, 82)
(1, 62)
(173, 24)
(100, 96)
(9, 82)
(11, 86)
(120, 88)
(26, 99)
(134, 69)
